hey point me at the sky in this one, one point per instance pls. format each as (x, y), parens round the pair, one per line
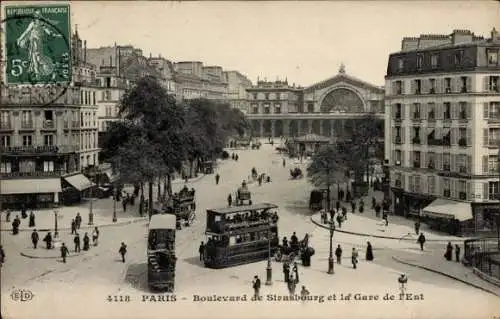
(304, 42)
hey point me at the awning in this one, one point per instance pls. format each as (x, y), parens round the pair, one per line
(444, 208)
(30, 186)
(79, 181)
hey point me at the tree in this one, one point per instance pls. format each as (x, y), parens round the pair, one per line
(327, 167)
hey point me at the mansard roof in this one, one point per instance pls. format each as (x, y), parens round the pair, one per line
(342, 77)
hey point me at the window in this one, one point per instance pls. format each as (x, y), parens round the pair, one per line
(431, 108)
(108, 95)
(397, 155)
(310, 108)
(493, 164)
(434, 61)
(93, 98)
(108, 82)
(267, 96)
(277, 108)
(492, 57)
(462, 163)
(458, 57)
(255, 96)
(446, 187)
(462, 109)
(27, 140)
(94, 119)
(494, 110)
(416, 135)
(416, 159)
(48, 166)
(493, 83)
(5, 141)
(5, 167)
(493, 190)
(27, 166)
(416, 111)
(416, 181)
(447, 85)
(398, 111)
(432, 88)
(81, 119)
(462, 136)
(420, 61)
(447, 110)
(431, 160)
(431, 183)
(462, 190)
(103, 96)
(398, 88)
(255, 109)
(5, 119)
(26, 119)
(446, 161)
(418, 86)
(48, 140)
(463, 82)
(401, 64)
(267, 109)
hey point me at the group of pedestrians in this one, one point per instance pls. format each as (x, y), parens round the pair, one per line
(355, 255)
(449, 252)
(16, 223)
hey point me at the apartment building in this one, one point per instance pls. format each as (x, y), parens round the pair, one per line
(442, 130)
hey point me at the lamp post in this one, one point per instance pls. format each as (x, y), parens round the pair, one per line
(330, 257)
(56, 233)
(114, 204)
(269, 269)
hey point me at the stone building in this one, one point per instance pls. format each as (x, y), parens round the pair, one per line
(237, 85)
(195, 81)
(442, 130)
(328, 108)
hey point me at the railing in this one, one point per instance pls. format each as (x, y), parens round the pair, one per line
(36, 149)
(55, 173)
(462, 169)
(416, 140)
(481, 253)
(397, 140)
(416, 116)
(5, 126)
(397, 116)
(49, 124)
(27, 124)
(493, 142)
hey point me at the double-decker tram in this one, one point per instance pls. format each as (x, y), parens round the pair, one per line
(241, 234)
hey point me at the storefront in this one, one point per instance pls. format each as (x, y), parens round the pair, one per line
(448, 216)
(75, 188)
(32, 193)
(409, 205)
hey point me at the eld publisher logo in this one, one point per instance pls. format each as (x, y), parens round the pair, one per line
(22, 295)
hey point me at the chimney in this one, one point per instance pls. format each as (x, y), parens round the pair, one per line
(85, 51)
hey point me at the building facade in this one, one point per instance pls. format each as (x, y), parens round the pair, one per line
(48, 136)
(196, 81)
(328, 108)
(442, 126)
(237, 85)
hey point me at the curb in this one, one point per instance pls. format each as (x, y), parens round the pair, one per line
(83, 227)
(380, 236)
(486, 277)
(50, 257)
(446, 275)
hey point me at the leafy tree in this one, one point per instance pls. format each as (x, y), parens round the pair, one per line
(327, 167)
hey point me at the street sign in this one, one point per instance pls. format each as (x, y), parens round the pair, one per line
(37, 41)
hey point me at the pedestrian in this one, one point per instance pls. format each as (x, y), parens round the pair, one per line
(7, 218)
(291, 285)
(123, 251)
(341, 193)
(295, 270)
(417, 227)
(304, 292)
(34, 238)
(91, 218)
(76, 240)
(369, 251)
(73, 227)
(337, 206)
(124, 204)
(15, 225)
(78, 220)
(95, 236)
(48, 240)
(378, 208)
(284, 163)
(449, 252)
(285, 242)
(217, 178)
(23, 212)
(286, 271)
(2, 255)
(374, 202)
(338, 254)
(361, 206)
(339, 220)
(86, 242)
(201, 251)
(344, 213)
(229, 200)
(32, 220)
(256, 286)
(421, 241)
(353, 206)
(386, 218)
(457, 253)
(64, 252)
(354, 258)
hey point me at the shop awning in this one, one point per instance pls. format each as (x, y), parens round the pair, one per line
(443, 208)
(79, 181)
(30, 186)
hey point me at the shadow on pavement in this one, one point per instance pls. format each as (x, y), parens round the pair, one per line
(195, 261)
(137, 276)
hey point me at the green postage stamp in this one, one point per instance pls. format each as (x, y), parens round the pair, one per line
(37, 42)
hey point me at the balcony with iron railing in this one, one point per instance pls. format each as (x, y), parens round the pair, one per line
(5, 126)
(27, 125)
(493, 142)
(446, 167)
(416, 140)
(416, 164)
(38, 149)
(398, 140)
(49, 125)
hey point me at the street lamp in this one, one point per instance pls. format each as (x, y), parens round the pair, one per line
(56, 233)
(269, 269)
(114, 204)
(330, 258)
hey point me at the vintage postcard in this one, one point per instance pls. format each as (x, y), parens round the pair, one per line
(250, 159)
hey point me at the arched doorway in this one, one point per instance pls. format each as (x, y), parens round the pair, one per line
(342, 100)
(293, 128)
(256, 128)
(327, 131)
(278, 128)
(316, 127)
(267, 128)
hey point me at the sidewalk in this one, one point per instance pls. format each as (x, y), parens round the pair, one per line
(357, 224)
(450, 269)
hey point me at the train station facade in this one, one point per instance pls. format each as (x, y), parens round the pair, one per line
(328, 108)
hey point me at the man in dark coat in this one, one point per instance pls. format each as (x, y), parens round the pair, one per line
(337, 206)
(73, 227)
(417, 227)
(48, 240)
(78, 220)
(353, 206)
(369, 252)
(295, 270)
(339, 220)
(217, 178)
(15, 225)
(32, 220)
(286, 271)
(338, 254)
(449, 252)
(86, 242)
(123, 251)
(284, 163)
(201, 251)
(294, 242)
(64, 252)
(76, 240)
(457, 253)
(34, 238)
(256, 286)
(421, 241)
(229, 200)
(354, 258)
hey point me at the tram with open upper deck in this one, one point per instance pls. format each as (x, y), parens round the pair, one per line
(241, 235)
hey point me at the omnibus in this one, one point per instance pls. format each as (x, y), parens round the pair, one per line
(240, 235)
(161, 252)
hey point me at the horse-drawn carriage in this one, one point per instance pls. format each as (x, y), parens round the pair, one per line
(296, 173)
(243, 195)
(290, 252)
(316, 199)
(183, 206)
